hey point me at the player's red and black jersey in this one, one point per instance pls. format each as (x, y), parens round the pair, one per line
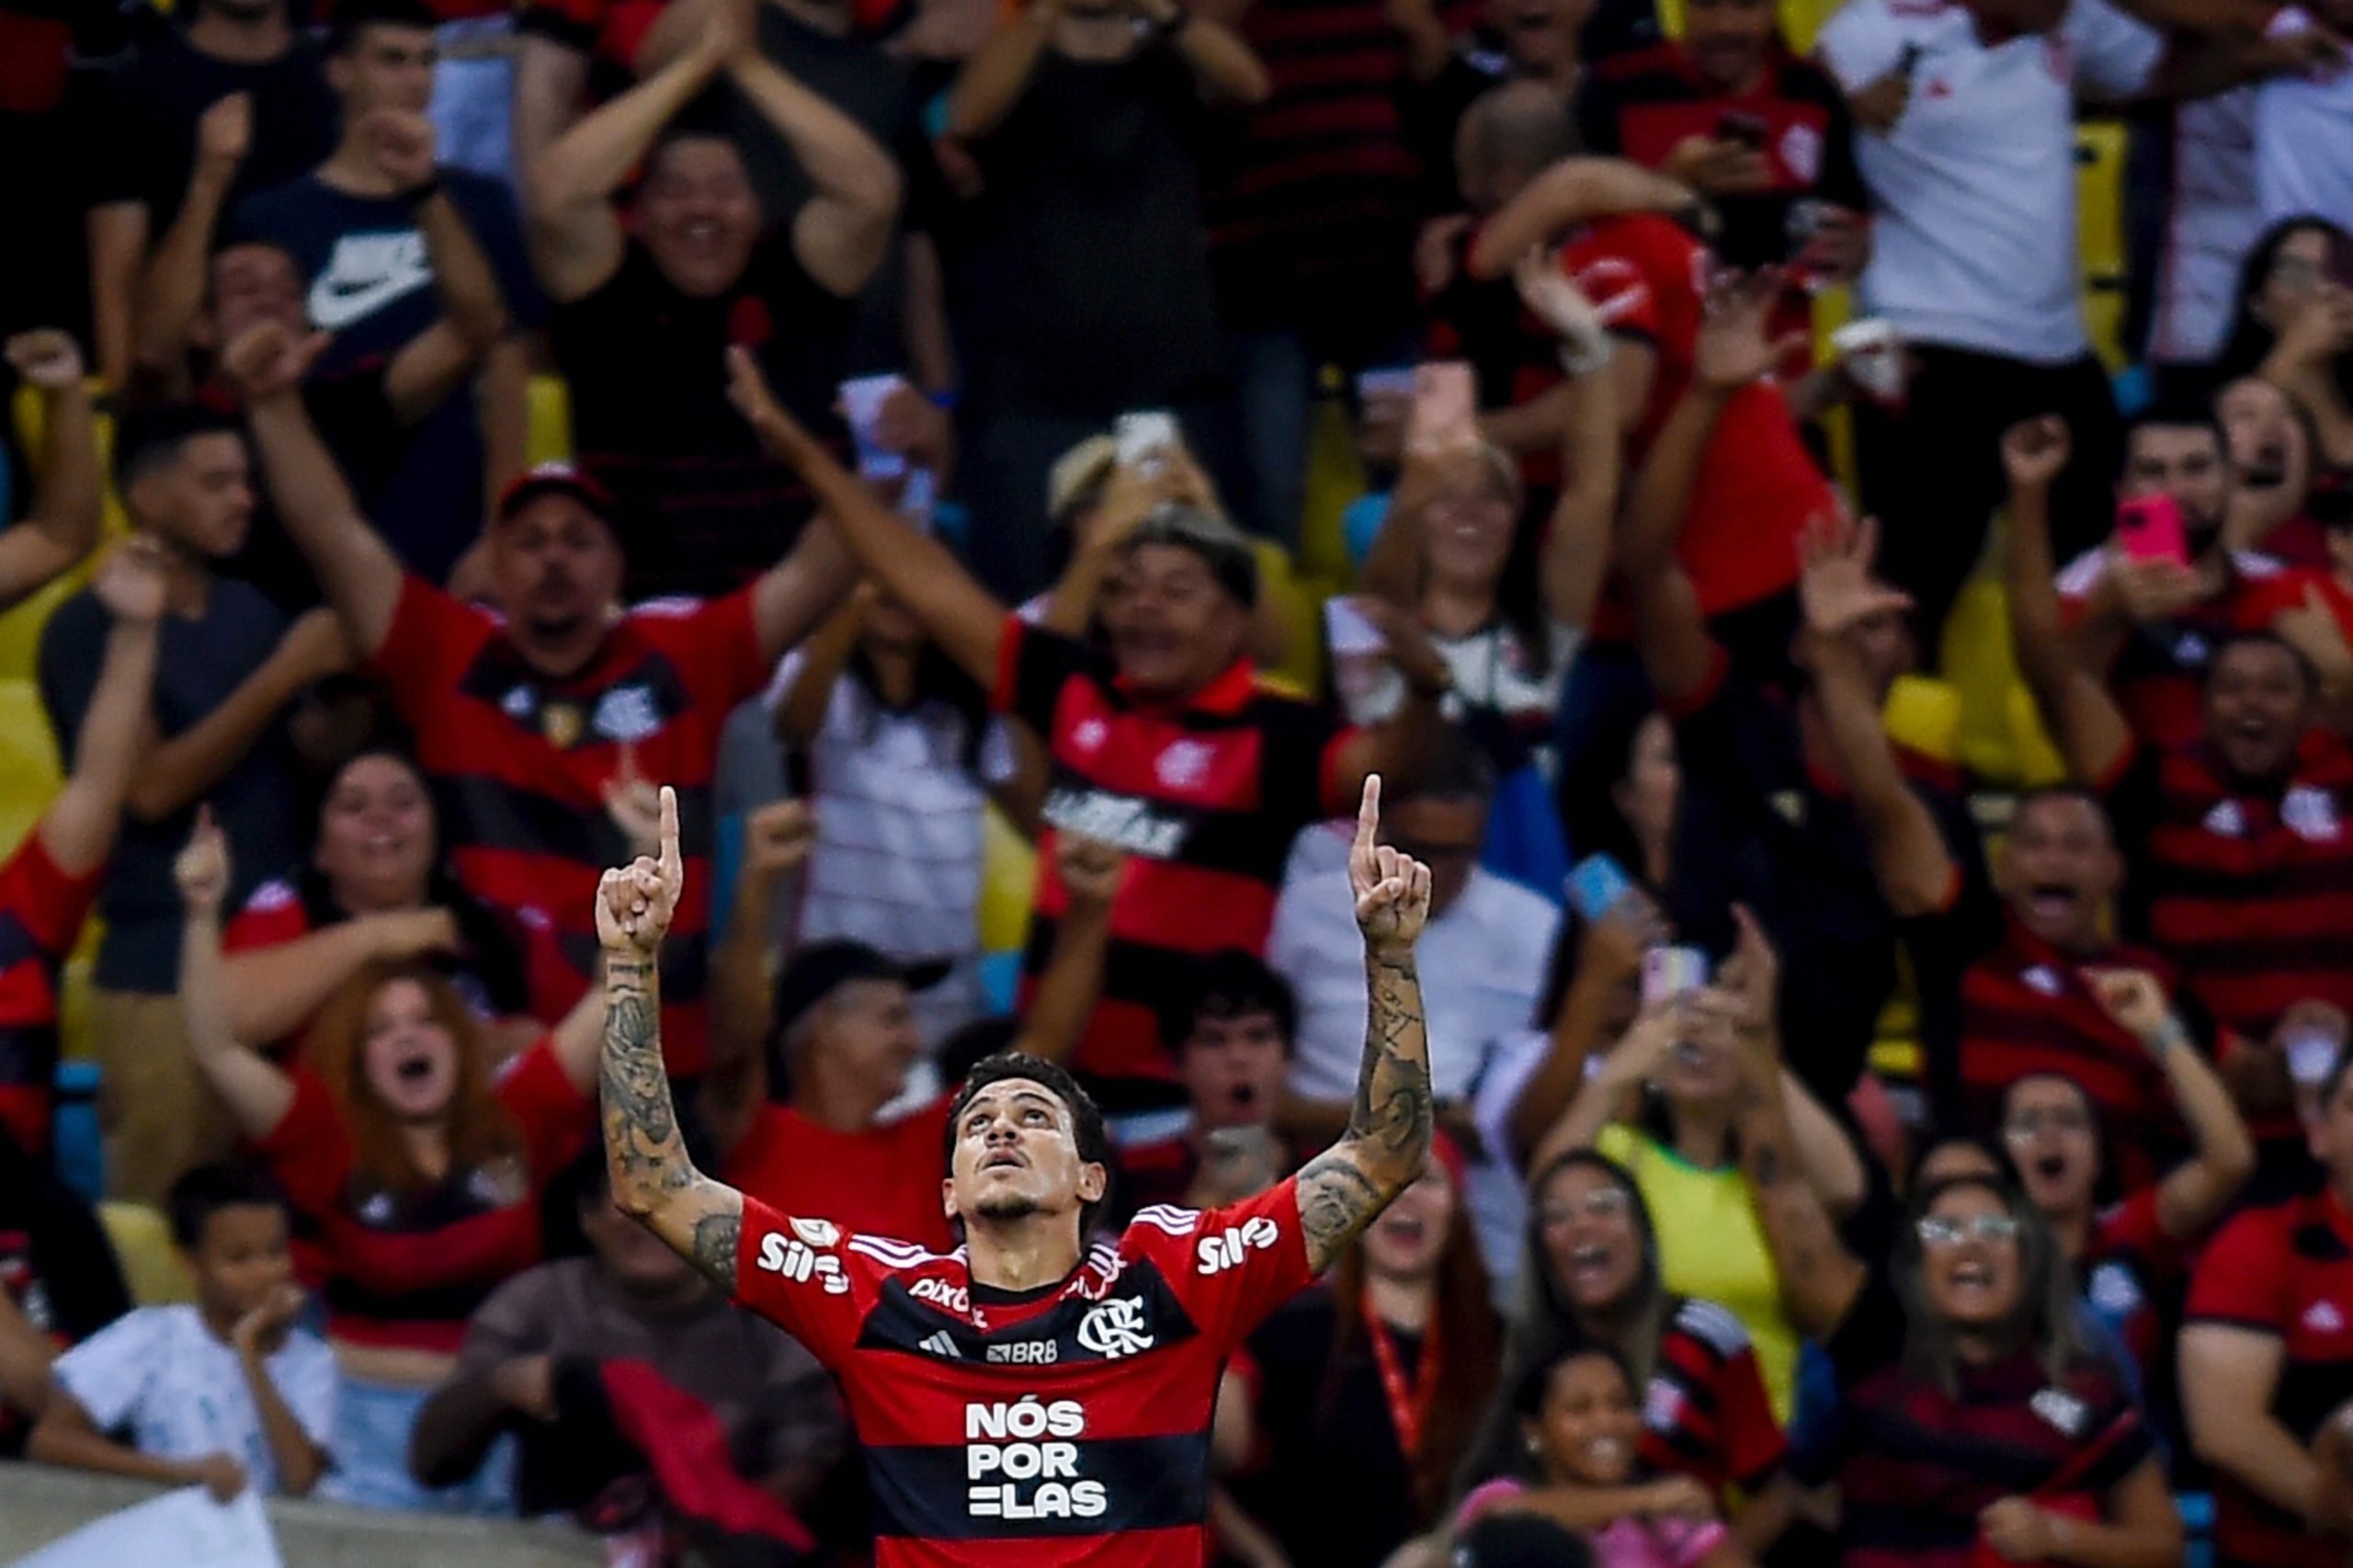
(406, 1269)
(2249, 889)
(1206, 794)
(1061, 1427)
(519, 761)
(2027, 1007)
(1706, 1413)
(41, 911)
(2285, 1272)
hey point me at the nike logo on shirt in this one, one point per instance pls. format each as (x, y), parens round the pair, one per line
(366, 273)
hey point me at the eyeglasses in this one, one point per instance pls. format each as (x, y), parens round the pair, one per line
(1601, 1203)
(1936, 1231)
(2026, 1123)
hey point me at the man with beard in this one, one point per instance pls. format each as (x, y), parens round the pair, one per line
(2240, 836)
(2153, 624)
(525, 723)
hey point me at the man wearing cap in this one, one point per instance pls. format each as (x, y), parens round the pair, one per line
(1164, 744)
(841, 1036)
(523, 722)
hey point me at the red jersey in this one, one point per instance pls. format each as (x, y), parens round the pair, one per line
(1706, 1413)
(41, 911)
(2160, 671)
(2129, 1256)
(520, 761)
(882, 1182)
(2027, 1007)
(1206, 795)
(406, 1270)
(1061, 1427)
(2285, 1272)
(1756, 485)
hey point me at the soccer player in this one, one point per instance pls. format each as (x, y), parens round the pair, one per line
(1027, 1399)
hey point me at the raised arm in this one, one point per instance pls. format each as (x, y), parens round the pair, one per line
(1225, 70)
(357, 571)
(917, 569)
(1914, 868)
(272, 990)
(1380, 1154)
(62, 525)
(2196, 1192)
(300, 1462)
(437, 361)
(78, 829)
(1573, 191)
(575, 232)
(998, 74)
(1610, 957)
(2082, 717)
(172, 292)
(654, 1181)
(1072, 982)
(842, 232)
(257, 1093)
(1602, 1098)
(1577, 547)
(776, 841)
(1820, 1278)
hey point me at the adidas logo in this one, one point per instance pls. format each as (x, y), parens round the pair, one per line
(944, 1346)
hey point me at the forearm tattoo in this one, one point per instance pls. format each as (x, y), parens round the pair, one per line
(1389, 1127)
(644, 1149)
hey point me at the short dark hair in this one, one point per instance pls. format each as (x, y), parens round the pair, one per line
(352, 18)
(2174, 412)
(1456, 768)
(2041, 794)
(208, 1189)
(2262, 637)
(1225, 549)
(1093, 1137)
(1528, 1394)
(1228, 983)
(151, 438)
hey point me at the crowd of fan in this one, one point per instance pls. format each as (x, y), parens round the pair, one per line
(875, 319)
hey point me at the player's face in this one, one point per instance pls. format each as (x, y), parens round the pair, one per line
(1016, 1155)
(1173, 627)
(2053, 1136)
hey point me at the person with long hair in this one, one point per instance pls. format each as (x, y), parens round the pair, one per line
(376, 890)
(1973, 1425)
(1370, 1393)
(2293, 324)
(418, 1169)
(1580, 1429)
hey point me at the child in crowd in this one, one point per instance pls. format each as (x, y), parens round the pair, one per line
(222, 1393)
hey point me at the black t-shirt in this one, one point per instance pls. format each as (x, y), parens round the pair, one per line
(143, 141)
(1756, 825)
(370, 284)
(703, 507)
(1078, 279)
(56, 1263)
(201, 661)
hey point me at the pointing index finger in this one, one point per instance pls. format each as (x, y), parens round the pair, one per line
(670, 869)
(1368, 823)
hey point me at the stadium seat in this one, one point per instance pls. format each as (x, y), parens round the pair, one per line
(142, 1245)
(1008, 879)
(547, 421)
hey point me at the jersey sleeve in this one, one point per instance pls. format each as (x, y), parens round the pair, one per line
(1229, 1268)
(553, 1115)
(2242, 1281)
(2115, 56)
(1032, 668)
(716, 644)
(800, 1274)
(432, 638)
(308, 1150)
(1858, 45)
(273, 916)
(109, 1373)
(1753, 1447)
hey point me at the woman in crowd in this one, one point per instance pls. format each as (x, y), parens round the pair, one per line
(893, 745)
(2292, 325)
(376, 892)
(420, 1172)
(1973, 1424)
(1664, 1103)
(1581, 1433)
(1370, 1394)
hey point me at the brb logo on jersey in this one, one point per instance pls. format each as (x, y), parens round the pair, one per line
(799, 1263)
(1021, 1463)
(1115, 1329)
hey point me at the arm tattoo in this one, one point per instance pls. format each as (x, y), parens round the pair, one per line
(652, 1176)
(1389, 1127)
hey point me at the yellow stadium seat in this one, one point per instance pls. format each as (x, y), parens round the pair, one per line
(1008, 879)
(547, 421)
(142, 1245)
(1924, 713)
(2100, 152)
(1303, 662)
(1334, 477)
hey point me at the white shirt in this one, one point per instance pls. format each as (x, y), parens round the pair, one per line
(159, 1372)
(1974, 189)
(1482, 964)
(2211, 219)
(2303, 141)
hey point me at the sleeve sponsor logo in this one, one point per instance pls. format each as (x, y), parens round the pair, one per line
(1227, 1249)
(793, 1259)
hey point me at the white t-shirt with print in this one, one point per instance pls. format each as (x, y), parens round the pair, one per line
(2303, 141)
(180, 1393)
(1974, 189)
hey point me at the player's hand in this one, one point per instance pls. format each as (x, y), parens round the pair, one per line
(2035, 451)
(218, 1474)
(1090, 870)
(635, 903)
(48, 358)
(257, 1333)
(201, 869)
(267, 361)
(1392, 888)
(131, 582)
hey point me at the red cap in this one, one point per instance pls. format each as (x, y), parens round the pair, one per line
(555, 479)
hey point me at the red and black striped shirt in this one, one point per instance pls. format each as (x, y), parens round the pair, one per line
(2027, 1008)
(1206, 794)
(1706, 1413)
(519, 761)
(2286, 1272)
(41, 911)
